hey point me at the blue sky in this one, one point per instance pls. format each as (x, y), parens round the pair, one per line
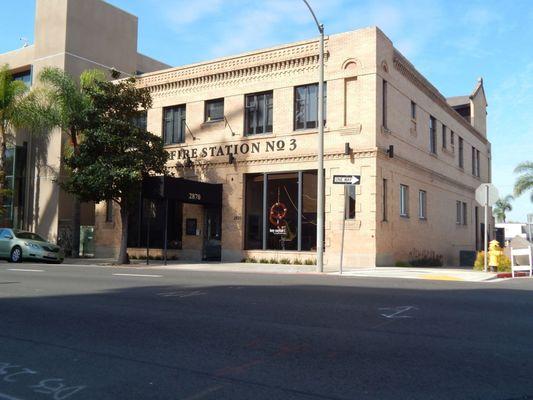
(452, 43)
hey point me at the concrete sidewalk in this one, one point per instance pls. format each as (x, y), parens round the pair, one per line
(437, 274)
(441, 274)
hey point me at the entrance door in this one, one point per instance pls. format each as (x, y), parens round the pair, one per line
(212, 235)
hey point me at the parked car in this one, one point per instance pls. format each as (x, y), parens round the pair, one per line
(17, 245)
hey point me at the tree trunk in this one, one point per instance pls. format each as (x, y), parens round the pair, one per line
(123, 253)
(76, 223)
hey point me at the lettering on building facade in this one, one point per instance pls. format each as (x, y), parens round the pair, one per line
(270, 146)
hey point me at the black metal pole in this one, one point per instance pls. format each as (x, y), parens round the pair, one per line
(166, 230)
(148, 233)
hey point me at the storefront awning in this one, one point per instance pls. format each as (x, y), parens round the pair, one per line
(183, 190)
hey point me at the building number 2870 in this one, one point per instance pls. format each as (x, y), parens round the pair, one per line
(195, 196)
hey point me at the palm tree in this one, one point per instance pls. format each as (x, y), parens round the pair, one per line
(19, 108)
(524, 182)
(70, 106)
(502, 206)
(11, 94)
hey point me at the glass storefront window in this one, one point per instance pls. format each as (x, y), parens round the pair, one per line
(309, 214)
(282, 213)
(285, 216)
(254, 211)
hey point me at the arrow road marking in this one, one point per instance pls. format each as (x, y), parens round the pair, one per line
(397, 312)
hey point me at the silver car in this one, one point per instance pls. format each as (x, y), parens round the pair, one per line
(17, 245)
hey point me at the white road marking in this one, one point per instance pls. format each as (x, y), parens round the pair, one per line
(25, 270)
(397, 312)
(182, 294)
(140, 275)
(4, 396)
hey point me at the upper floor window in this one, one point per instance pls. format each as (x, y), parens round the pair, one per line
(461, 217)
(258, 117)
(214, 110)
(475, 161)
(433, 135)
(413, 110)
(452, 138)
(384, 103)
(306, 106)
(174, 124)
(444, 137)
(140, 120)
(422, 204)
(404, 201)
(461, 153)
(478, 165)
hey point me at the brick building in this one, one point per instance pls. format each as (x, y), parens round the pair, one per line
(241, 133)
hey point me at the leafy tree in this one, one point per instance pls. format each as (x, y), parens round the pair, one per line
(115, 155)
(524, 183)
(502, 206)
(70, 107)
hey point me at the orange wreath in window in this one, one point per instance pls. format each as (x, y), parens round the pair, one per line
(278, 212)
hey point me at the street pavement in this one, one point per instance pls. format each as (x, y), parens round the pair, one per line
(82, 332)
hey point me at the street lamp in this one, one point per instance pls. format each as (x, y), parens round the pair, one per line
(320, 188)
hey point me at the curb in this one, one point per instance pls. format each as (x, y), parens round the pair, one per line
(502, 275)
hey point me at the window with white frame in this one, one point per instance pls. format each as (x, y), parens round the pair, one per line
(404, 201)
(433, 135)
(461, 213)
(464, 214)
(422, 204)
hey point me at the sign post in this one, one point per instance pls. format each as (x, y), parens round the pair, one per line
(486, 195)
(345, 180)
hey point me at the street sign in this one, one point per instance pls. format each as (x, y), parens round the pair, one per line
(487, 194)
(346, 179)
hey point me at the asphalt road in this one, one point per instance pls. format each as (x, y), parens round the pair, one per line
(72, 332)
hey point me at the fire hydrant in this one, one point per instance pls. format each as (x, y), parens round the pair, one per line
(495, 252)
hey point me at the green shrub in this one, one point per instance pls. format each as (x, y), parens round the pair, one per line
(285, 261)
(273, 261)
(479, 264)
(425, 258)
(402, 264)
(310, 262)
(504, 263)
(133, 257)
(297, 262)
(251, 260)
(263, 261)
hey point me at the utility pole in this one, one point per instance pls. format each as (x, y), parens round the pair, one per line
(320, 184)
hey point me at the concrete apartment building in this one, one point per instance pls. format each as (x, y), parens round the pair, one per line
(241, 133)
(73, 35)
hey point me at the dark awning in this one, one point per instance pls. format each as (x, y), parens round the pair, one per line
(180, 189)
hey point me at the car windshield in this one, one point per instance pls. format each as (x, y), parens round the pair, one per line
(29, 235)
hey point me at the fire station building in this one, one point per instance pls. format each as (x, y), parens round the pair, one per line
(241, 133)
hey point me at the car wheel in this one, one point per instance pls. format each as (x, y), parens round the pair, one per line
(16, 255)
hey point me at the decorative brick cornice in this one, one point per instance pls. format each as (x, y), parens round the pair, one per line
(298, 57)
(408, 71)
(289, 159)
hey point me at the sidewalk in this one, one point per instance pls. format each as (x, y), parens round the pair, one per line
(440, 274)
(437, 274)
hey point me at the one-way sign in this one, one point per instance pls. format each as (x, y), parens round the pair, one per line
(346, 179)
